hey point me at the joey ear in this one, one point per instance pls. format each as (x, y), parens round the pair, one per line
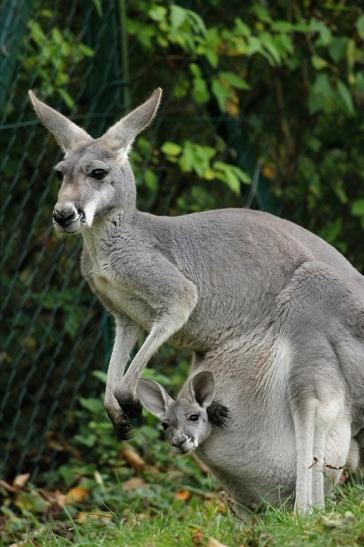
(122, 134)
(202, 388)
(67, 134)
(154, 397)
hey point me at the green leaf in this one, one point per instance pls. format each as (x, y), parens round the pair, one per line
(157, 13)
(242, 28)
(178, 16)
(171, 149)
(195, 70)
(221, 93)
(324, 32)
(86, 50)
(234, 80)
(322, 95)
(197, 22)
(360, 26)
(318, 62)
(332, 231)
(91, 404)
(87, 440)
(66, 97)
(346, 96)
(151, 180)
(262, 13)
(351, 53)
(200, 92)
(338, 48)
(283, 26)
(100, 375)
(358, 207)
(231, 175)
(98, 7)
(269, 44)
(341, 194)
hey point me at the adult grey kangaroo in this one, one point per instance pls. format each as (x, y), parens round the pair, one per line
(233, 282)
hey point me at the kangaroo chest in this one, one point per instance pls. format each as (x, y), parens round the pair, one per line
(115, 292)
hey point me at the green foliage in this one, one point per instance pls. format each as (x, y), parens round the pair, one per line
(52, 56)
(195, 158)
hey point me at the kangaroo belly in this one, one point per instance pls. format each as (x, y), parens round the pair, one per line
(254, 458)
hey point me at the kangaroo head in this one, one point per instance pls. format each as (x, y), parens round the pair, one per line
(185, 420)
(95, 174)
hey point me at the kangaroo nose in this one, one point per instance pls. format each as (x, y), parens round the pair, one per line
(177, 441)
(64, 215)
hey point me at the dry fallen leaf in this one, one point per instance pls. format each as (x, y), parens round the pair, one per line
(102, 516)
(54, 497)
(77, 494)
(152, 469)
(212, 542)
(268, 171)
(98, 478)
(135, 482)
(59, 445)
(182, 495)
(21, 480)
(8, 487)
(198, 537)
(133, 458)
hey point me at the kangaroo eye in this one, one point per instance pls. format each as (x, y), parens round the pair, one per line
(59, 174)
(193, 417)
(98, 174)
(165, 425)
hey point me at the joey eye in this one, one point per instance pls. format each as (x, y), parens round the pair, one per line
(98, 174)
(59, 174)
(165, 425)
(193, 417)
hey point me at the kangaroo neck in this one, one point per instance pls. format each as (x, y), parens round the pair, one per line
(107, 228)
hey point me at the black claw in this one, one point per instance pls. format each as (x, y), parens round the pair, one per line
(123, 430)
(218, 414)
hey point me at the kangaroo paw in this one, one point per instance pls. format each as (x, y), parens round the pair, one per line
(121, 424)
(129, 405)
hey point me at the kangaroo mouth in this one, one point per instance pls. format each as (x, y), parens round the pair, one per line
(75, 225)
(188, 445)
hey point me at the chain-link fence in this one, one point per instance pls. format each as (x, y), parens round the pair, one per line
(54, 332)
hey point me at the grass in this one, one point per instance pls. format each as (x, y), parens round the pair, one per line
(194, 522)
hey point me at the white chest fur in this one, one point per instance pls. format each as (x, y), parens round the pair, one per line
(113, 289)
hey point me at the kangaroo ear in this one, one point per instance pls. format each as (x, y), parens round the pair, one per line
(154, 397)
(202, 388)
(67, 134)
(122, 134)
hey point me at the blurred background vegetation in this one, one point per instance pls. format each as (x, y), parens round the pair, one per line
(263, 108)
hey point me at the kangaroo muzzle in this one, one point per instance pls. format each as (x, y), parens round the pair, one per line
(66, 214)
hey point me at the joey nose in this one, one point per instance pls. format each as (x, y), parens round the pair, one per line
(178, 441)
(64, 215)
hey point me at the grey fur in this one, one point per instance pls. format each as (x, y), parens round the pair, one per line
(278, 310)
